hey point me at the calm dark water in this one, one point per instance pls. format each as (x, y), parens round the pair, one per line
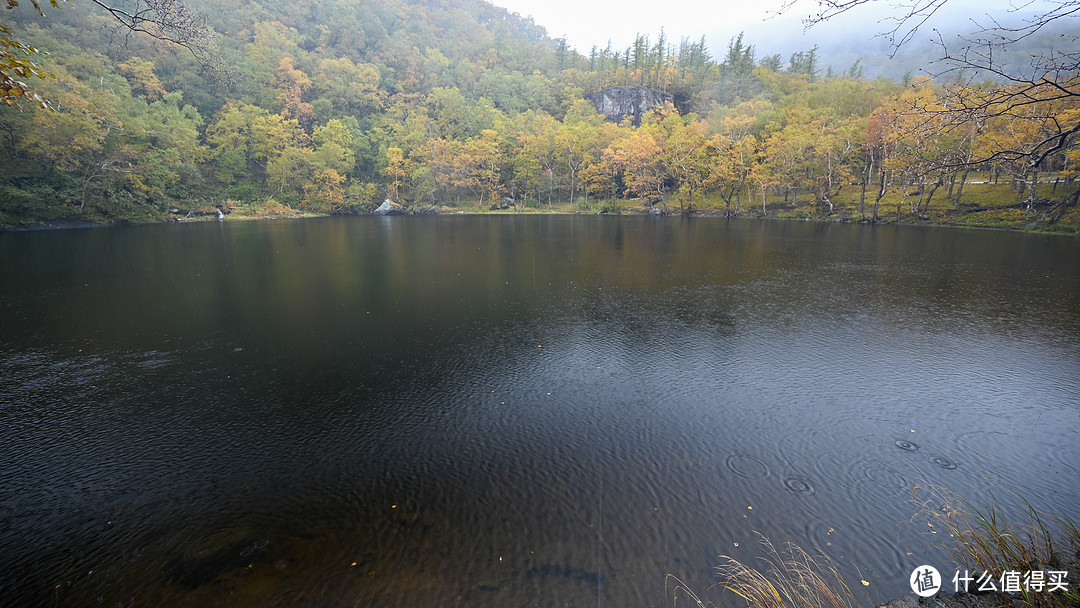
(511, 411)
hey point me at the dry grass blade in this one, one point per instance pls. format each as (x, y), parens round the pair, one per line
(791, 578)
(998, 539)
(675, 587)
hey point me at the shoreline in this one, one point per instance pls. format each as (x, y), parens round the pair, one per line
(956, 600)
(1027, 228)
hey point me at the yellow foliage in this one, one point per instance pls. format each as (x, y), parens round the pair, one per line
(140, 73)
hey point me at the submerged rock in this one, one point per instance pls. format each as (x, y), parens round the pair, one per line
(568, 572)
(207, 559)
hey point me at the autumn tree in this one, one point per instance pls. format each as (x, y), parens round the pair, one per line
(577, 140)
(686, 157)
(397, 168)
(140, 73)
(18, 69)
(487, 158)
(245, 142)
(169, 153)
(1008, 141)
(347, 88)
(1032, 93)
(836, 143)
(169, 21)
(325, 191)
(293, 86)
(437, 157)
(785, 148)
(732, 162)
(81, 138)
(877, 149)
(637, 156)
(534, 143)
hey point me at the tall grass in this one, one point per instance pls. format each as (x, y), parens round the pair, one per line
(993, 538)
(998, 539)
(791, 577)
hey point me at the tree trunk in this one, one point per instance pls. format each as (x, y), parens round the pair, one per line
(880, 194)
(926, 203)
(868, 170)
(1033, 184)
(573, 185)
(960, 190)
(1057, 210)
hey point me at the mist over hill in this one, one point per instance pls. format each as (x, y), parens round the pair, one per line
(862, 35)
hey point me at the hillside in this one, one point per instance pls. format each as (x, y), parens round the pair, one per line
(334, 106)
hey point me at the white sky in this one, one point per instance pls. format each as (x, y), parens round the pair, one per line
(588, 22)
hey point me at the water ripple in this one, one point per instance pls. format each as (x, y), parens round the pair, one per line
(799, 485)
(747, 466)
(943, 462)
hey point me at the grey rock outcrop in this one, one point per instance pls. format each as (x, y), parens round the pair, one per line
(389, 208)
(616, 103)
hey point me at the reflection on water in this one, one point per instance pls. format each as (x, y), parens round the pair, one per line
(494, 411)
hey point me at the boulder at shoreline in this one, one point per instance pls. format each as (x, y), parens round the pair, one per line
(389, 207)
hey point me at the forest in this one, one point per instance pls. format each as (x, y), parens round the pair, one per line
(333, 106)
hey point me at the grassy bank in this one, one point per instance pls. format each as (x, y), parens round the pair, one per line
(997, 537)
(984, 204)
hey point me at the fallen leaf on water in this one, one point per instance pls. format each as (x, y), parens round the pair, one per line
(865, 583)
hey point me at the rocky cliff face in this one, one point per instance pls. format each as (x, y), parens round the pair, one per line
(616, 103)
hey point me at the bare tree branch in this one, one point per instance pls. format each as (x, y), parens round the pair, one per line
(1032, 96)
(169, 21)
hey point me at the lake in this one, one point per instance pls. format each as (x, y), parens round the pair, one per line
(514, 410)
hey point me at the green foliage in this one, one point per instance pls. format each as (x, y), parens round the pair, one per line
(17, 66)
(31, 203)
(343, 104)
